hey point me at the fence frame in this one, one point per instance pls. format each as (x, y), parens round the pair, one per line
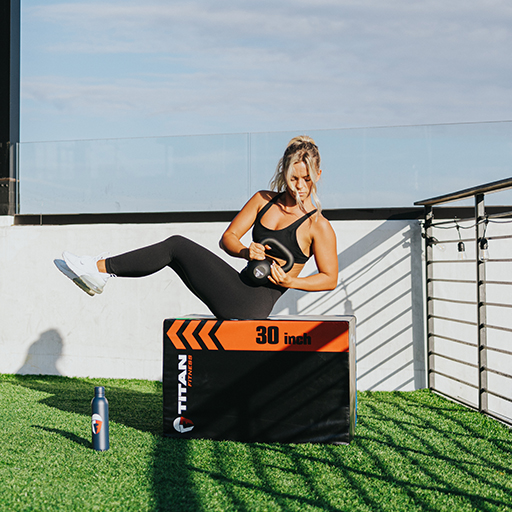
(481, 219)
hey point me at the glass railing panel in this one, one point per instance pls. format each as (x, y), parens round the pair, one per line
(396, 166)
(386, 167)
(362, 168)
(202, 173)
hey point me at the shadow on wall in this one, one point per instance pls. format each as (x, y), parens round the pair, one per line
(380, 282)
(43, 355)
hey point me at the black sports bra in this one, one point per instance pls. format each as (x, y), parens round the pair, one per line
(287, 236)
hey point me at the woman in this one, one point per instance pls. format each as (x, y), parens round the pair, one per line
(287, 214)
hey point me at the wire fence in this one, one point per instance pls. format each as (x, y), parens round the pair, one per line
(468, 303)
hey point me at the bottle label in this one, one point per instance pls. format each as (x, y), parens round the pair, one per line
(97, 423)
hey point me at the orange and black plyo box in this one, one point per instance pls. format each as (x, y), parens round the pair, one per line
(283, 379)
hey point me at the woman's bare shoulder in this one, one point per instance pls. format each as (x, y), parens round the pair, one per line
(266, 195)
(256, 202)
(322, 226)
(262, 197)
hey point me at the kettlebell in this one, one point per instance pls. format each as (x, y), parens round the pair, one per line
(259, 270)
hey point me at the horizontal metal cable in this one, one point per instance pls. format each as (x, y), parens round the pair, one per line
(453, 320)
(500, 350)
(498, 237)
(453, 339)
(472, 365)
(464, 281)
(451, 377)
(498, 215)
(499, 396)
(506, 329)
(453, 261)
(497, 304)
(455, 301)
(452, 222)
(497, 416)
(500, 260)
(498, 282)
(454, 241)
(501, 374)
(470, 405)
(458, 399)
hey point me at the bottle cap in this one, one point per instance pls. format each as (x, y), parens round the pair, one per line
(99, 391)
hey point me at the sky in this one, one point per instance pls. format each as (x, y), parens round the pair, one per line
(119, 68)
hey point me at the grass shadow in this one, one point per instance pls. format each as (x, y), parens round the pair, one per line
(412, 451)
(68, 435)
(140, 410)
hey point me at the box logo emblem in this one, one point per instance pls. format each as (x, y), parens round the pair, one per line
(182, 425)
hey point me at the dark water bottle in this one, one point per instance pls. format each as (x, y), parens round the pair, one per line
(99, 406)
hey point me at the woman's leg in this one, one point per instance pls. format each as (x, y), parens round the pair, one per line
(151, 259)
(209, 277)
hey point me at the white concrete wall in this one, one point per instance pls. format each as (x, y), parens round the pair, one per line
(49, 326)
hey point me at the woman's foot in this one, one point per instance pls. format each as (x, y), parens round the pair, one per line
(86, 268)
(61, 265)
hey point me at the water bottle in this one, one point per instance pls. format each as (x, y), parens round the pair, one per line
(99, 422)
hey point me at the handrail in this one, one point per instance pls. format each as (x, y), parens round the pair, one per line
(487, 188)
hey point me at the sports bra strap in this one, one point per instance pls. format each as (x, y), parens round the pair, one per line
(298, 222)
(268, 205)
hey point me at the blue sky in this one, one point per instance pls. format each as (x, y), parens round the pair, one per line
(115, 68)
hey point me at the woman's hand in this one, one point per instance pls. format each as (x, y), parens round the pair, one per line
(279, 277)
(230, 241)
(256, 251)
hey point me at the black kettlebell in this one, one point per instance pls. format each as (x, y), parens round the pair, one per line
(259, 270)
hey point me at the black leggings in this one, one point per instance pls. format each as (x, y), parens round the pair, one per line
(227, 293)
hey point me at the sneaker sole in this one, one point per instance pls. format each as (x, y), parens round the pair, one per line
(62, 266)
(83, 277)
(90, 285)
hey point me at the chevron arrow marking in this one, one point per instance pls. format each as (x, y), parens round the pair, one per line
(260, 335)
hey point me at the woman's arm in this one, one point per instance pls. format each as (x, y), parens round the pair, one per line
(326, 258)
(230, 240)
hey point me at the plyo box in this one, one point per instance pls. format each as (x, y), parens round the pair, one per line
(284, 379)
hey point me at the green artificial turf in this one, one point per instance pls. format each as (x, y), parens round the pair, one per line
(412, 451)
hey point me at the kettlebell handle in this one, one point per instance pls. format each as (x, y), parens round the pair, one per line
(288, 256)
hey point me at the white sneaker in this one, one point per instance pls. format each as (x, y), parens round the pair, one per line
(85, 267)
(61, 265)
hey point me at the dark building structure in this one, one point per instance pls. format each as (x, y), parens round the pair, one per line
(9, 103)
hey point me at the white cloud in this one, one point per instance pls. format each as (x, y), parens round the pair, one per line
(147, 27)
(325, 64)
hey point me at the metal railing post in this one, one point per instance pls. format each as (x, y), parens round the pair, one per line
(481, 305)
(429, 285)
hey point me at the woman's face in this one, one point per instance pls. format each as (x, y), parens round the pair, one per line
(301, 181)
